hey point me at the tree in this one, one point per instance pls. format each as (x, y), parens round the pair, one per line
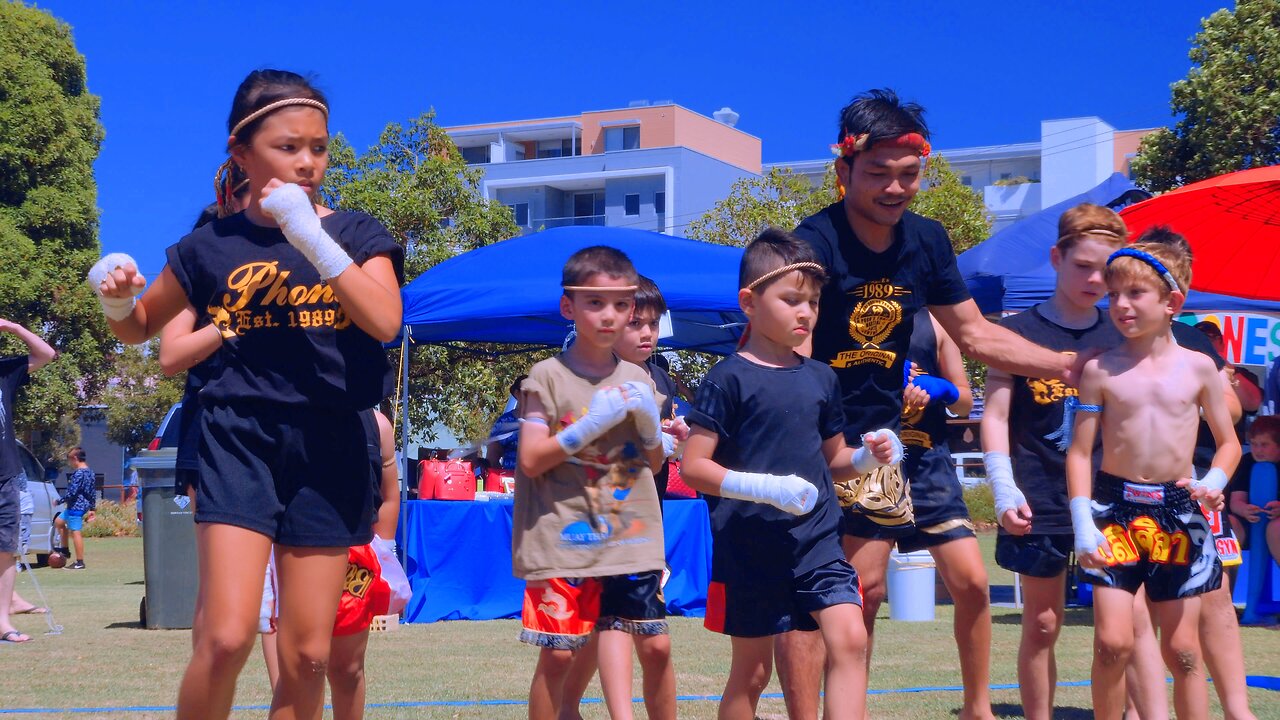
(416, 183)
(50, 135)
(1228, 106)
(952, 203)
(780, 198)
(139, 396)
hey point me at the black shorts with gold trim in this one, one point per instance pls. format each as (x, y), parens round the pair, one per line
(938, 500)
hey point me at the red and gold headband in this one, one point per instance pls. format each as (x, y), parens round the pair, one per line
(857, 143)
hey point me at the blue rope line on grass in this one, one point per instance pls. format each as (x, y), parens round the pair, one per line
(1264, 682)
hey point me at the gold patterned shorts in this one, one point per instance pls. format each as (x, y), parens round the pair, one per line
(880, 495)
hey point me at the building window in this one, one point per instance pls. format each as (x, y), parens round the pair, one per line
(660, 202)
(631, 204)
(475, 155)
(559, 148)
(966, 181)
(622, 138)
(520, 213)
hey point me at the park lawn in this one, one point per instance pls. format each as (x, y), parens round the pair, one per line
(103, 659)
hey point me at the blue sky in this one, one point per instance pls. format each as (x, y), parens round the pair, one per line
(987, 73)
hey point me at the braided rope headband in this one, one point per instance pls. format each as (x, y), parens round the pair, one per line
(1150, 260)
(783, 271)
(276, 106)
(606, 288)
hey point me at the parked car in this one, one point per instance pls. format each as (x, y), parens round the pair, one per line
(167, 433)
(44, 498)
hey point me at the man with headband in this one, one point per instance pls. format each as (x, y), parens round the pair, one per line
(884, 264)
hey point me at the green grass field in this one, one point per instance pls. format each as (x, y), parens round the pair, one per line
(103, 659)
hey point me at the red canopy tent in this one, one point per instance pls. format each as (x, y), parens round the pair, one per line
(1233, 224)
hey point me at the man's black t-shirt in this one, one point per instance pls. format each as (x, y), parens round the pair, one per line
(771, 420)
(1036, 413)
(13, 375)
(667, 387)
(296, 345)
(868, 308)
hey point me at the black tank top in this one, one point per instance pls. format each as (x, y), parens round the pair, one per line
(924, 434)
(1036, 413)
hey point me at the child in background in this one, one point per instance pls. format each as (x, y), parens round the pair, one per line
(587, 533)
(1264, 446)
(767, 440)
(376, 585)
(635, 345)
(81, 498)
(1143, 526)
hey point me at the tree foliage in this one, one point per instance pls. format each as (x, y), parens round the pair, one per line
(954, 204)
(139, 396)
(779, 198)
(50, 135)
(416, 183)
(1228, 106)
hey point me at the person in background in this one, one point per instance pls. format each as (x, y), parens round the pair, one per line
(81, 498)
(14, 373)
(1244, 383)
(504, 438)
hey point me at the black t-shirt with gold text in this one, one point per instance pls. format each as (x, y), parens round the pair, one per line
(869, 305)
(1036, 413)
(294, 344)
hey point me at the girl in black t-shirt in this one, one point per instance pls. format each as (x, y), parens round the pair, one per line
(302, 298)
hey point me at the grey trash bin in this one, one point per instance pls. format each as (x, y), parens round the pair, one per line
(168, 543)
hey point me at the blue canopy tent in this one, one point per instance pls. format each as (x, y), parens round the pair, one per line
(509, 292)
(1011, 271)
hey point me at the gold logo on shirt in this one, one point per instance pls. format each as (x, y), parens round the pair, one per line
(871, 322)
(1048, 391)
(254, 289)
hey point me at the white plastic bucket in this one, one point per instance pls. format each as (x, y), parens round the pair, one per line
(910, 586)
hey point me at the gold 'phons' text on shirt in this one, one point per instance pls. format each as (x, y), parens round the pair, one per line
(259, 296)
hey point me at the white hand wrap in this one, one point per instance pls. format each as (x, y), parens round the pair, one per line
(1003, 488)
(789, 493)
(864, 461)
(295, 214)
(114, 308)
(1215, 479)
(669, 444)
(644, 409)
(608, 408)
(1088, 537)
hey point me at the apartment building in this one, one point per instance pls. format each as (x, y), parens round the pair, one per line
(655, 166)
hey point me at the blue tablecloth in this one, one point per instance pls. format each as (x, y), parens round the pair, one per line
(458, 559)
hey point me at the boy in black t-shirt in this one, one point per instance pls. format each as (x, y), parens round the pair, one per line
(767, 440)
